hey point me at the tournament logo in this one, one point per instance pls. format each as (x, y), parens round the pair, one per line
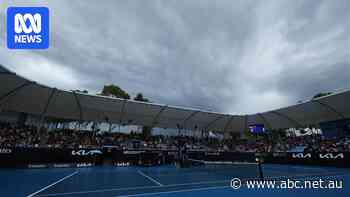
(28, 28)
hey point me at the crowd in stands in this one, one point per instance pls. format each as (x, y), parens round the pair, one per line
(29, 136)
(11, 135)
(312, 143)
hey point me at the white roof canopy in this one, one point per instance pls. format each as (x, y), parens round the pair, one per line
(22, 95)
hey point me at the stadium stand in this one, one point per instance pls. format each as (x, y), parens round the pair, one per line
(22, 142)
(27, 136)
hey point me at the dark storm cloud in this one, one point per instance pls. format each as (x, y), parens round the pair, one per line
(226, 56)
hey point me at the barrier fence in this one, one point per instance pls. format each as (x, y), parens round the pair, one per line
(58, 157)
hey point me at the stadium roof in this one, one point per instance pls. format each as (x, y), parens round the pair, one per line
(23, 95)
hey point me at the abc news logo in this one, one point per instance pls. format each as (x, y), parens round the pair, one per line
(21, 26)
(28, 27)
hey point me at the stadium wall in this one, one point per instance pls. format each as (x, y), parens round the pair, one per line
(58, 157)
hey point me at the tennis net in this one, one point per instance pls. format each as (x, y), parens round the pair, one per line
(228, 169)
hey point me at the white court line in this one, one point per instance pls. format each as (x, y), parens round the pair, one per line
(182, 174)
(177, 191)
(62, 179)
(149, 178)
(102, 190)
(303, 175)
(133, 188)
(172, 185)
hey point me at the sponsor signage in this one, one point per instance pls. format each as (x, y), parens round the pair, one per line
(122, 164)
(62, 165)
(331, 156)
(133, 152)
(21, 156)
(37, 166)
(5, 151)
(81, 165)
(212, 153)
(301, 155)
(86, 152)
(322, 156)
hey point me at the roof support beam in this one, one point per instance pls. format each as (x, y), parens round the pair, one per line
(53, 91)
(212, 122)
(79, 108)
(43, 113)
(189, 117)
(296, 123)
(13, 91)
(228, 123)
(155, 120)
(330, 108)
(122, 112)
(245, 126)
(265, 121)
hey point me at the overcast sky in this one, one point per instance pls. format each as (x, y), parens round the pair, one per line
(228, 56)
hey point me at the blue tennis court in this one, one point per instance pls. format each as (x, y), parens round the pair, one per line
(159, 181)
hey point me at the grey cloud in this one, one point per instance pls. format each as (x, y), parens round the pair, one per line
(226, 56)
